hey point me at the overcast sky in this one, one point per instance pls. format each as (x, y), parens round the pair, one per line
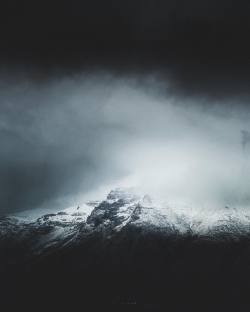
(66, 137)
(153, 92)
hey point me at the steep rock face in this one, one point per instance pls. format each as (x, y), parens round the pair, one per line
(122, 209)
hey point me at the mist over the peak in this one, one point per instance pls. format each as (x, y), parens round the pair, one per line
(63, 138)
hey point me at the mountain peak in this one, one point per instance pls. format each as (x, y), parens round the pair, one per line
(124, 194)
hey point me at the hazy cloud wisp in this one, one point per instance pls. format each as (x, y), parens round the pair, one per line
(64, 138)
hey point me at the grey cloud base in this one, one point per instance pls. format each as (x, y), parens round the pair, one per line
(65, 137)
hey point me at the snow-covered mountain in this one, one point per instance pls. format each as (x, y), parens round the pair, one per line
(145, 249)
(122, 210)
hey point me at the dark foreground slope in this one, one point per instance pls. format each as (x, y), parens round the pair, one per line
(134, 270)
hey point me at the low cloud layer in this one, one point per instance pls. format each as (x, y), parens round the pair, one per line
(63, 138)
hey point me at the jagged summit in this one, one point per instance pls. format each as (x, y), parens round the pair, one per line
(123, 207)
(122, 194)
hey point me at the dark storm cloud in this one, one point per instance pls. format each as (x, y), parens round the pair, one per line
(64, 121)
(202, 45)
(54, 141)
(62, 138)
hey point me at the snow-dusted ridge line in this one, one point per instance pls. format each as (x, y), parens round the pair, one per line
(122, 209)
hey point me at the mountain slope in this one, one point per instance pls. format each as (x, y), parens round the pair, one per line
(121, 210)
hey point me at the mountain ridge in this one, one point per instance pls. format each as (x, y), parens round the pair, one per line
(121, 210)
